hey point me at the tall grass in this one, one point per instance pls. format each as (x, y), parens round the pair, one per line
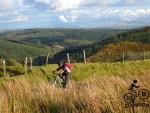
(96, 94)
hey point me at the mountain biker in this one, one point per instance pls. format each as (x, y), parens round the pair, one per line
(133, 87)
(65, 71)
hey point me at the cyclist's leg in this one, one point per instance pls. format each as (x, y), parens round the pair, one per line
(65, 78)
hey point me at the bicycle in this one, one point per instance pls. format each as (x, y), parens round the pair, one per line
(130, 97)
(59, 81)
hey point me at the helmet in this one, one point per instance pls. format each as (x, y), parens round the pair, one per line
(134, 81)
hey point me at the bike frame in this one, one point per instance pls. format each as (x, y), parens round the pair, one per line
(57, 81)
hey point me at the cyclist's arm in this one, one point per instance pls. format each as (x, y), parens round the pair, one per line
(59, 68)
(136, 86)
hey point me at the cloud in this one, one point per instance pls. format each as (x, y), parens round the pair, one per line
(11, 11)
(18, 19)
(73, 12)
(61, 5)
(132, 15)
(67, 5)
(5, 5)
(62, 18)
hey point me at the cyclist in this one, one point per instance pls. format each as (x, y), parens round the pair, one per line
(65, 69)
(133, 87)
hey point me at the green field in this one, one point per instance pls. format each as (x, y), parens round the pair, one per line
(94, 88)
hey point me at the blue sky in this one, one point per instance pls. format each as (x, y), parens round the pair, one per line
(15, 14)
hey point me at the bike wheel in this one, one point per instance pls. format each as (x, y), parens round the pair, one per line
(129, 98)
(143, 94)
(57, 82)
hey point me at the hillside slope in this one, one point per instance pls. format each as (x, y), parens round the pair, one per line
(63, 37)
(18, 44)
(10, 50)
(114, 52)
(141, 35)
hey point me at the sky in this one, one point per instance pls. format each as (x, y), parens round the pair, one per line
(24, 14)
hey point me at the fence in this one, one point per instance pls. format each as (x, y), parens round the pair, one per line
(29, 62)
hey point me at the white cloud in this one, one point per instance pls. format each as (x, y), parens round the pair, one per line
(9, 5)
(62, 5)
(62, 18)
(109, 14)
(130, 15)
(74, 12)
(67, 5)
(11, 11)
(5, 5)
(131, 1)
(20, 18)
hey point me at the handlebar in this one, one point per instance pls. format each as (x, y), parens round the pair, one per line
(58, 74)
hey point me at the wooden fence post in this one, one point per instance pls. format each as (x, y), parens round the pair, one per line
(123, 57)
(47, 58)
(144, 55)
(25, 65)
(108, 56)
(30, 64)
(68, 58)
(4, 67)
(84, 56)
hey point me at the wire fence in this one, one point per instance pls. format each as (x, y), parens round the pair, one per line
(30, 62)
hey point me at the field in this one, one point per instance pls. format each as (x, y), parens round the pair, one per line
(94, 88)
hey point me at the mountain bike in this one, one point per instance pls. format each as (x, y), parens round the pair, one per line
(57, 81)
(131, 96)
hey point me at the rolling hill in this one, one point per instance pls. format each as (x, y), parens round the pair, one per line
(114, 52)
(18, 44)
(10, 50)
(63, 37)
(140, 35)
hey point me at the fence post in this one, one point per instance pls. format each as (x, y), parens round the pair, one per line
(68, 58)
(47, 58)
(123, 56)
(25, 65)
(108, 56)
(84, 56)
(30, 64)
(4, 67)
(144, 55)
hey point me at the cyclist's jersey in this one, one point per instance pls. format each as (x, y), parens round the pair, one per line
(65, 67)
(133, 87)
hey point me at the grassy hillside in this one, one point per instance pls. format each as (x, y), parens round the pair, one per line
(114, 52)
(18, 44)
(99, 88)
(63, 37)
(10, 50)
(136, 35)
(141, 35)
